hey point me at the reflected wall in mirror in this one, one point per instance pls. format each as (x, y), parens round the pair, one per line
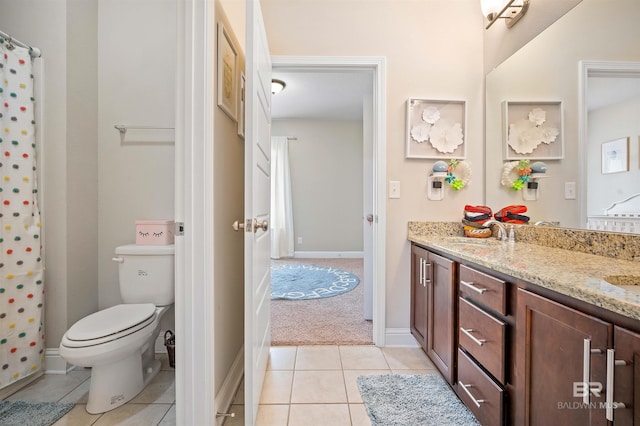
(549, 68)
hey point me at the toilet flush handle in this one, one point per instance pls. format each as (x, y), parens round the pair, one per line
(118, 259)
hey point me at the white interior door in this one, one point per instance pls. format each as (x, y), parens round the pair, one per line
(257, 318)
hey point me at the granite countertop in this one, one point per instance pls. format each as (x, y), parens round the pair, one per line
(575, 274)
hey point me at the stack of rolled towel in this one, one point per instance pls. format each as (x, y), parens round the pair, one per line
(512, 214)
(474, 218)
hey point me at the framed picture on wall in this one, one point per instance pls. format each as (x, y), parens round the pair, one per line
(435, 129)
(615, 156)
(533, 130)
(241, 106)
(227, 83)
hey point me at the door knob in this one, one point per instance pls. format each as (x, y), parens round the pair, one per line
(237, 225)
(264, 225)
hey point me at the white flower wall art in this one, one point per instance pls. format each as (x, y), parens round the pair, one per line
(435, 129)
(533, 130)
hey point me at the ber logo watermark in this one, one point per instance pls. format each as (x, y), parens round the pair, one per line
(582, 389)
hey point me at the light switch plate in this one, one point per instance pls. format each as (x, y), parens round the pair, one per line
(394, 189)
(569, 190)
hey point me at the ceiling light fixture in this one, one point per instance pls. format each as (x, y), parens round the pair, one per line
(511, 11)
(277, 86)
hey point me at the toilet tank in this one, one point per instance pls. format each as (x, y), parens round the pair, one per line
(146, 273)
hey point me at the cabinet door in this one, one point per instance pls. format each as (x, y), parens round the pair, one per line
(441, 314)
(419, 276)
(626, 377)
(550, 358)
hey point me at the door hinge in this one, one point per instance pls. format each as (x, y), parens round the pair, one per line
(179, 231)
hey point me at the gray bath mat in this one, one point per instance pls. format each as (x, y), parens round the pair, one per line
(400, 399)
(21, 413)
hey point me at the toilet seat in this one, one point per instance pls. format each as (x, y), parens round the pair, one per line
(110, 324)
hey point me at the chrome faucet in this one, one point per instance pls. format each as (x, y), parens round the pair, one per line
(502, 231)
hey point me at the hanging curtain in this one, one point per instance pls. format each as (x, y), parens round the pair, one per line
(21, 271)
(281, 203)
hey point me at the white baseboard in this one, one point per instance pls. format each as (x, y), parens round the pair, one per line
(227, 392)
(328, 254)
(53, 362)
(400, 337)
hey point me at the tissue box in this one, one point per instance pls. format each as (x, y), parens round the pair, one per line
(154, 232)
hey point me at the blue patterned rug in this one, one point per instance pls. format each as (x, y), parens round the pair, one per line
(22, 413)
(401, 399)
(304, 282)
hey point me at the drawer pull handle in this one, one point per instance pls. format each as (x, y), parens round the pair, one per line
(612, 362)
(468, 331)
(473, 287)
(466, 390)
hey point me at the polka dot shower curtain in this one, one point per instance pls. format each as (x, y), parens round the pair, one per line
(21, 271)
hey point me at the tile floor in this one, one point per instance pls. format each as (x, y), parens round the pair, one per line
(154, 406)
(304, 385)
(316, 385)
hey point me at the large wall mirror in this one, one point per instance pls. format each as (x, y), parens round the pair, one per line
(588, 62)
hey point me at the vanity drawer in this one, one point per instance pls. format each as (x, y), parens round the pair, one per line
(479, 392)
(483, 336)
(484, 289)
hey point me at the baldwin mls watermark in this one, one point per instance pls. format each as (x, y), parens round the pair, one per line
(582, 389)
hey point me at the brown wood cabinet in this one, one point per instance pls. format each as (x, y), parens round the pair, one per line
(558, 350)
(516, 357)
(433, 308)
(441, 315)
(626, 374)
(419, 274)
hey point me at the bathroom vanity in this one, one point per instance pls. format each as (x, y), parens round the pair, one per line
(528, 333)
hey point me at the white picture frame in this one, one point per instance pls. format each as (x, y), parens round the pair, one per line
(227, 82)
(436, 129)
(526, 137)
(615, 156)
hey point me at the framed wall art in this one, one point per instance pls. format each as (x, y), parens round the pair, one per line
(227, 73)
(241, 106)
(615, 156)
(533, 130)
(436, 129)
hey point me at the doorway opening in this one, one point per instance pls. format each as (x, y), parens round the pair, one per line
(331, 110)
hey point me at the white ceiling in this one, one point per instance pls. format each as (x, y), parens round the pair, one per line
(326, 94)
(605, 91)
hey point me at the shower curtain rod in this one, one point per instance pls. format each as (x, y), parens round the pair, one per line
(33, 51)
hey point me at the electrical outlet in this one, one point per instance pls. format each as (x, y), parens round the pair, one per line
(569, 190)
(394, 189)
(299, 240)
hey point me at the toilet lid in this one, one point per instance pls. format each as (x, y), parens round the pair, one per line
(111, 321)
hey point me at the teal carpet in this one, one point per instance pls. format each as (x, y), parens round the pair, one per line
(303, 282)
(401, 400)
(21, 413)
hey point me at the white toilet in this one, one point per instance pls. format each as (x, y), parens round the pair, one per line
(118, 343)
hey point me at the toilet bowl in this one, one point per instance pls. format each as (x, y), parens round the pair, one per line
(118, 343)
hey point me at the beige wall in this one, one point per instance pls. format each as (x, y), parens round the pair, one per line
(326, 183)
(136, 86)
(547, 69)
(228, 267)
(500, 42)
(426, 56)
(607, 124)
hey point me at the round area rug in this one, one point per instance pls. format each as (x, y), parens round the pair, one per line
(304, 282)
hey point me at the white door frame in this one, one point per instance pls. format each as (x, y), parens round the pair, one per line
(194, 206)
(378, 66)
